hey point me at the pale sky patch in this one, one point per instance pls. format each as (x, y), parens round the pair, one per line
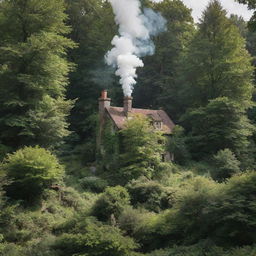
(230, 5)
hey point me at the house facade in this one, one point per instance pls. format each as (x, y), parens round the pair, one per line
(114, 119)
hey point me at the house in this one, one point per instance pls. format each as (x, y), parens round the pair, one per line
(117, 116)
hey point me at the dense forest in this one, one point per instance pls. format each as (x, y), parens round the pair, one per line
(59, 198)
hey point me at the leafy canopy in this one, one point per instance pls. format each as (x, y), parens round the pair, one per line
(218, 64)
(31, 170)
(33, 72)
(142, 149)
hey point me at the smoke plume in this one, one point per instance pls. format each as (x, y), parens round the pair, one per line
(134, 40)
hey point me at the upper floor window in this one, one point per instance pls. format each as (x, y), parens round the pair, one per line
(158, 125)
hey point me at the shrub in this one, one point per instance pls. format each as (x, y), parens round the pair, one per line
(151, 194)
(226, 165)
(32, 169)
(111, 202)
(3, 151)
(10, 249)
(94, 184)
(95, 240)
(200, 249)
(177, 145)
(130, 220)
(142, 149)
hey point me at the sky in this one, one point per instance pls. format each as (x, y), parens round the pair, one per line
(230, 5)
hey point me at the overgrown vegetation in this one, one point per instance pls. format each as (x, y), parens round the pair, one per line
(56, 199)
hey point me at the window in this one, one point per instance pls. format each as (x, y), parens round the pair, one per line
(158, 125)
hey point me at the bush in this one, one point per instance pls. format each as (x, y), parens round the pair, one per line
(189, 220)
(151, 194)
(224, 213)
(142, 150)
(31, 171)
(201, 249)
(95, 239)
(94, 184)
(226, 165)
(177, 145)
(130, 220)
(3, 151)
(10, 249)
(111, 202)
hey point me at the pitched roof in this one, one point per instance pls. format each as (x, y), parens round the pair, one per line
(119, 118)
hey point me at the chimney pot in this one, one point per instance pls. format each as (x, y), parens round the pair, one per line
(127, 105)
(104, 94)
(104, 102)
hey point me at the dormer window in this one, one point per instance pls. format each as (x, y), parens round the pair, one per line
(158, 125)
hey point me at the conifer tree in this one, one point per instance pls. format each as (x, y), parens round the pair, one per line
(218, 64)
(33, 72)
(218, 90)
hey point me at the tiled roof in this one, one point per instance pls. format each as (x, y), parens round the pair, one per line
(118, 116)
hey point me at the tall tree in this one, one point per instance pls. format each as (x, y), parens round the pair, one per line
(158, 82)
(218, 87)
(33, 72)
(218, 64)
(93, 27)
(221, 124)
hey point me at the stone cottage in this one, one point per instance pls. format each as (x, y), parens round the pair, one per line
(117, 116)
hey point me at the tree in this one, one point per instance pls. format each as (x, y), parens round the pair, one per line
(221, 124)
(33, 72)
(112, 202)
(178, 145)
(217, 65)
(158, 81)
(93, 28)
(95, 239)
(142, 149)
(31, 170)
(226, 165)
(252, 6)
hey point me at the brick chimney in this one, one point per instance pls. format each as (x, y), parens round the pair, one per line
(127, 105)
(104, 102)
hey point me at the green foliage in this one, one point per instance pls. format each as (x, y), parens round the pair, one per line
(220, 124)
(93, 28)
(177, 145)
(223, 213)
(165, 209)
(95, 240)
(132, 220)
(31, 171)
(33, 72)
(226, 165)
(252, 6)
(111, 203)
(3, 151)
(149, 194)
(93, 183)
(204, 249)
(142, 149)
(10, 249)
(218, 64)
(109, 155)
(159, 84)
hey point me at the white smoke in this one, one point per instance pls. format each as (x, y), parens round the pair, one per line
(133, 42)
(156, 1)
